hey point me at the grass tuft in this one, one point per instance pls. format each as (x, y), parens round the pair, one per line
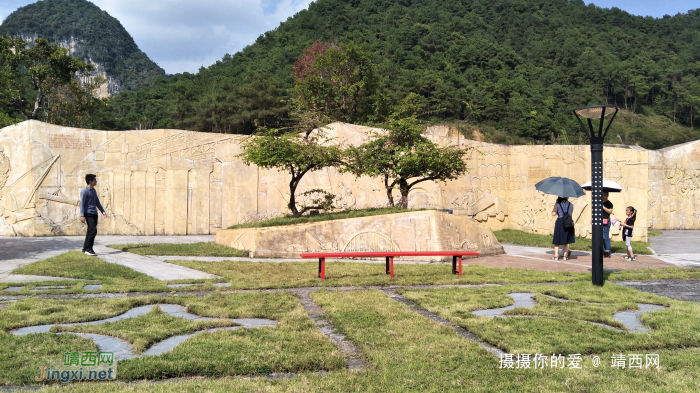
(209, 249)
(74, 264)
(290, 220)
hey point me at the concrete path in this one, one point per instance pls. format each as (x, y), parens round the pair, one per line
(150, 266)
(584, 259)
(21, 251)
(680, 248)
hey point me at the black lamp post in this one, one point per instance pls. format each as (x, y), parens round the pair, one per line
(590, 113)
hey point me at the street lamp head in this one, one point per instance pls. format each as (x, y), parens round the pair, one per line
(595, 112)
(599, 112)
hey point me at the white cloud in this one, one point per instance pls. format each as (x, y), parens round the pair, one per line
(181, 35)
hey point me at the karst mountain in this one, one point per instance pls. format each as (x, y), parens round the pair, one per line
(91, 35)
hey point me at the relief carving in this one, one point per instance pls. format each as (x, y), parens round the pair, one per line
(322, 245)
(369, 242)
(486, 240)
(344, 200)
(106, 199)
(4, 168)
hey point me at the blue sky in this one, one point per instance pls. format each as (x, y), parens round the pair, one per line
(183, 35)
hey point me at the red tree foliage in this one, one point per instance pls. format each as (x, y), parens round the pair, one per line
(303, 65)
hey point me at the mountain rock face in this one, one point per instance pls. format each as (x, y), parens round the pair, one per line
(89, 34)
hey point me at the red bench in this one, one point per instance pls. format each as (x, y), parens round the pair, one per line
(456, 257)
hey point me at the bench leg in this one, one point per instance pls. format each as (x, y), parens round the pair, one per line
(387, 266)
(322, 268)
(391, 266)
(460, 266)
(454, 264)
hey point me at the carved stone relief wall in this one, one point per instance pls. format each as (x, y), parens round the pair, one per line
(674, 187)
(159, 182)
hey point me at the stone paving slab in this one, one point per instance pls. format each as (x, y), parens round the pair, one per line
(688, 290)
(683, 260)
(150, 266)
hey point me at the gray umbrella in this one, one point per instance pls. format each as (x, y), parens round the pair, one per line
(560, 186)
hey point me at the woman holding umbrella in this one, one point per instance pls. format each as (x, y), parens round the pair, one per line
(562, 236)
(564, 233)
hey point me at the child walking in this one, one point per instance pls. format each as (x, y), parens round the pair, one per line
(627, 232)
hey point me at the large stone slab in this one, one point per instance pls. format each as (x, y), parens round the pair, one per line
(429, 230)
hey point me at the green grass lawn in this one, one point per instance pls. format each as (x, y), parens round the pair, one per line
(294, 345)
(410, 353)
(268, 275)
(567, 328)
(88, 270)
(209, 249)
(290, 220)
(74, 264)
(534, 240)
(652, 233)
(681, 273)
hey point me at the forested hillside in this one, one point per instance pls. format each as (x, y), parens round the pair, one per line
(91, 34)
(513, 69)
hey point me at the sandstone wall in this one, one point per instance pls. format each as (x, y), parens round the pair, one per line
(674, 187)
(429, 230)
(174, 182)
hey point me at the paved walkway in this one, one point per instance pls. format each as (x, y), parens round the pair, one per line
(21, 251)
(150, 266)
(688, 290)
(680, 248)
(582, 260)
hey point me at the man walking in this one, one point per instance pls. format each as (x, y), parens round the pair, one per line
(89, 203)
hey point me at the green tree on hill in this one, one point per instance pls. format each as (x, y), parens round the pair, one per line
(402, 157)
(296, 154)
(339, 81)
(46, 68)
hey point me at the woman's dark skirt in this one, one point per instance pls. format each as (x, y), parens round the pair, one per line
(561, 235)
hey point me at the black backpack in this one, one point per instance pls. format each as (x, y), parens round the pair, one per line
(567, 221)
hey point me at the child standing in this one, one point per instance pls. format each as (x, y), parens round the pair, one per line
(628, 228)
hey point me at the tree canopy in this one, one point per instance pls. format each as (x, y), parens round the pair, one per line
(402, 157)
(38, 81)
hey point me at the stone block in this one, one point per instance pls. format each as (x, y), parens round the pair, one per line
(412, 231)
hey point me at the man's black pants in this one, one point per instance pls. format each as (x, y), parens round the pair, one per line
(91, 220)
